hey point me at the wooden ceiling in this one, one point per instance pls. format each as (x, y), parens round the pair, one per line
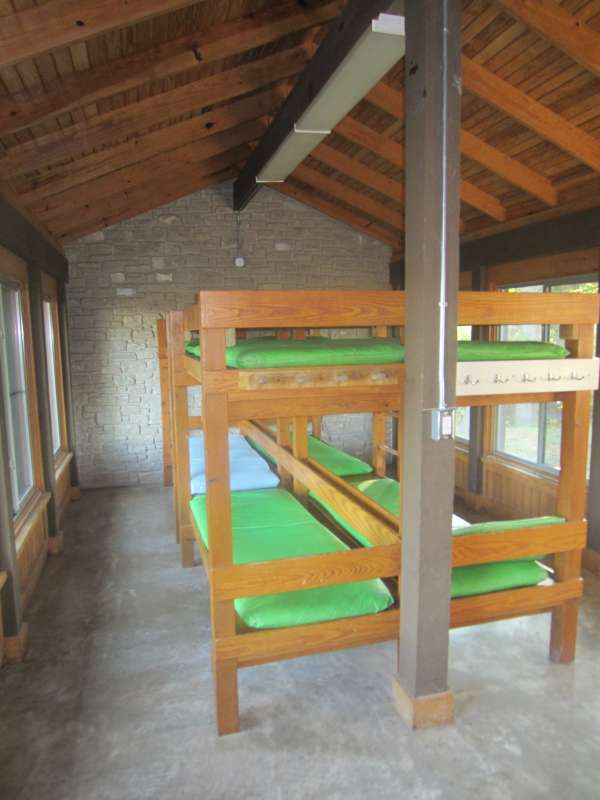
(111, 108)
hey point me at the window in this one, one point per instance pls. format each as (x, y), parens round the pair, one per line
(531, 432)
(13, 378)
(54, 387)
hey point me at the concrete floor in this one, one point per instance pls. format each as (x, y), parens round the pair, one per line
(114, 701)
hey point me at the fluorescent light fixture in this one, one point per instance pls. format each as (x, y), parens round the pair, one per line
(380, 47)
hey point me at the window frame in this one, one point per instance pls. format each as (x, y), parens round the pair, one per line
(539, 467)
(13, 272)
(50, 298)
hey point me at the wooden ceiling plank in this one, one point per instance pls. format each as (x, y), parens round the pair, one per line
(392, 151)
(353, 168)
(40, 29)
(560, 28)
(392, 101)
(143, 147)
(329, 186)
(72, 200)
(140, 202)
(310, 198)
(531, 113)
(131, 119)
(187, 52)
(175, 179)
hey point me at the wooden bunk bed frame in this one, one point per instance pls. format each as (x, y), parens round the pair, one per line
(247, 398)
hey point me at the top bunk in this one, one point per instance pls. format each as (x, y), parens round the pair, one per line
(488, 371)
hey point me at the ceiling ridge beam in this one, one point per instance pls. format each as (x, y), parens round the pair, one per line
(148, 145)
(392, 151)
(309, 198)
(186, 52)
(559, 27)
(134, 117)
(532, 114)
(342, 37)
(366, 205)
(508, 168)
(38, 30)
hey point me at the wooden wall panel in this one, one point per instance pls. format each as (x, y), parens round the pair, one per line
(63, 486)
(509, 491)
(32, 551)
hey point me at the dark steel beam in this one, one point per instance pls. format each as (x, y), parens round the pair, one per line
(579, 231)
(431, 257)
(19, 236)
(346, 31)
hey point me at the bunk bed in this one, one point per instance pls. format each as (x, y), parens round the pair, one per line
(276, 596)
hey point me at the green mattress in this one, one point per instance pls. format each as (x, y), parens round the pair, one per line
(473, 579)
(270, 524)
(268, 352)
(336, 461)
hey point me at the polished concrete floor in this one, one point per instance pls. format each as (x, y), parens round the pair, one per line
(114, 700)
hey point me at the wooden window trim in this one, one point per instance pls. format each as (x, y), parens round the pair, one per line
(59, 379)
(15, 270)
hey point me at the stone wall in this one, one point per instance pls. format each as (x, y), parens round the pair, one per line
(124, 278)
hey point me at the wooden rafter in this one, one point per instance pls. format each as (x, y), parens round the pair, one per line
(560, 28)
(40, 29)
(175, 179)
(126, 73)
(311, 198)
(146, 146)
(531, 113)
(392, 101)
(131, 119)
(67, 204)
(393, 151)
(351, 197)
(353, 168)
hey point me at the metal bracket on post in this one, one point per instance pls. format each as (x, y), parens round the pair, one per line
(442, 424)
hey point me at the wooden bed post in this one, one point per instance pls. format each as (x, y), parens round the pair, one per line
(572, 492)
(283, 438)
(179, 421)
(300, 450)
(165, 402)
(378, 436)
(432, 66)
(218, 510)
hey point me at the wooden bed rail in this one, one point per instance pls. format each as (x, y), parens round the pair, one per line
(355, 309)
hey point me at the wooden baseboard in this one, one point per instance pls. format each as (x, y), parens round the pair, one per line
(591, 561)
(424, 712)
(15, 647)
(56, 544)
(75, 493)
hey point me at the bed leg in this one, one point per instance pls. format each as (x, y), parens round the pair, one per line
(563, 632)
(226, 696)
(187, 552)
